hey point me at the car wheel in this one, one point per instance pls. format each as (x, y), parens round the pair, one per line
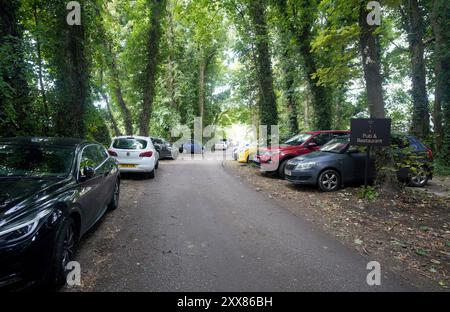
(419, 178)
(65, 248)
(151, 174)
(157, 164)
(114, 203)
(281, 168)
(329, 181)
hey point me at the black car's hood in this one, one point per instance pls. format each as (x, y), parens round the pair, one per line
(19, 193)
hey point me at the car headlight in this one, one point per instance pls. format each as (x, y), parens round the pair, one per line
(23, 227)
(305, 165)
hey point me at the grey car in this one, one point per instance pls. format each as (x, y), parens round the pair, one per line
(164, 148)
(337, 163)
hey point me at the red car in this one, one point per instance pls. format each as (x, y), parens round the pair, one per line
(275, 159)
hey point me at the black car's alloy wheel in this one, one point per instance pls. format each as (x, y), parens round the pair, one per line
(65, 249)
(68, 245)
(329, 181)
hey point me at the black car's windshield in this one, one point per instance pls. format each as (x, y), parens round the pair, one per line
(298, 139)
(335, 146)
(35, 161)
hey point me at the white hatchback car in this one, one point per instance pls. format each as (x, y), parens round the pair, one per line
(135, 154)
(221, 145)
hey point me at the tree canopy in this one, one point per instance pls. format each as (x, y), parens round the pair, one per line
(146, 66)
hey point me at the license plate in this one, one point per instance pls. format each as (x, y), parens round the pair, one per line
(288, 172)
(127, 166)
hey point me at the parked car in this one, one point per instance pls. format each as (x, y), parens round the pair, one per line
(235, 152)
(248, 153)
(164, 149)
(52, 190)
(275, 159)
(221, 145)
(338, 163)
(193, 147)
(135, 154)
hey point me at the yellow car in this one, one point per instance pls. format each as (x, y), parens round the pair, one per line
(247, 153)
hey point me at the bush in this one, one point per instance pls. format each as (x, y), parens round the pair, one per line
(369, 193)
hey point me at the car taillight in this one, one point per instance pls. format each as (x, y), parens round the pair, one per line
(146, 154)
(112, 153)
(430, 153)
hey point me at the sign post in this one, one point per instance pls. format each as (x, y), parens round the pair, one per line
(368, 133)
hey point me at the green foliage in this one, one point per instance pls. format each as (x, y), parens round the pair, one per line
(369, 193)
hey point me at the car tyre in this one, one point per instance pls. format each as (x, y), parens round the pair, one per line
(114, 203)
(151, 174)
(65, 247)
(157, 164)
(329, 181)
(281, 168)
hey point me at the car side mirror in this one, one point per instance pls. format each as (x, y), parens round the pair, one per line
(311, 145)
(87, 173)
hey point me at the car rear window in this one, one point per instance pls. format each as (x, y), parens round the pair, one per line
(130, 144)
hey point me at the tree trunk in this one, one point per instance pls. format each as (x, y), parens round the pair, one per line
(154, 36)
(267, 101)
(110, 115)
(441, 12)
(414, 27)
(370, 52)
(126, 114)
(46, 117)
(201, 88)
(72, 74)
(320, 97)
(15, 103)
(289, 95)
(288, 68)
(300, 25)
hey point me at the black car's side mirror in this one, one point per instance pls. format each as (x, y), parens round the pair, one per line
(87, 173)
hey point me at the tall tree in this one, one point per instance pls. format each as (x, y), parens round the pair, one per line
(72, 71)
(267, 100)
(440, 20)
(117, 87)
(303, 13)
(369, 45)
(153, 49)
(15, 103)
(413, 24)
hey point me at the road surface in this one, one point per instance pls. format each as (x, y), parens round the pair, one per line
(196, 227)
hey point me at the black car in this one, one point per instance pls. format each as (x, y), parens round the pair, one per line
(52, 190)
(165, 149)
(338, 163)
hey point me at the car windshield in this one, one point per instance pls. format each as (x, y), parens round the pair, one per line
(335, 146)
(298, 139)
(35, 161)
(130, 144)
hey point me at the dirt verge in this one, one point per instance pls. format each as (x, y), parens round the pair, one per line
(410, 233)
